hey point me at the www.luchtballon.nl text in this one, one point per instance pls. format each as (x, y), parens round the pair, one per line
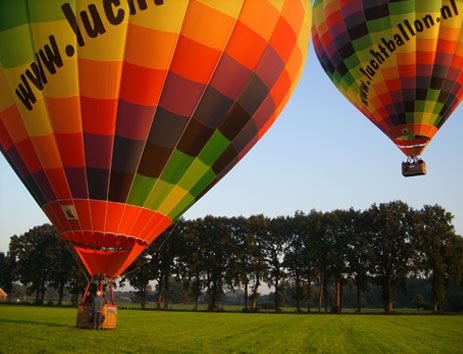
(406, 31)
(49, 56)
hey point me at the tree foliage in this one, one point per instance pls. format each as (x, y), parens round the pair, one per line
(309, 257)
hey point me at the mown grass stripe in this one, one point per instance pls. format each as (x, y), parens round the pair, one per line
(30, 329)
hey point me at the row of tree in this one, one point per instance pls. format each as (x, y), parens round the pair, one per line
(312, 252)
(40, 259)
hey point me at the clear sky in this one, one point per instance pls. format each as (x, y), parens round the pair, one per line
(321, 153)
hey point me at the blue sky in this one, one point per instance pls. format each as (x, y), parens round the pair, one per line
(321, 153)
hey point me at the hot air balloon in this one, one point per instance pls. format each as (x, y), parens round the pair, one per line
(399, 62)
(118, 115)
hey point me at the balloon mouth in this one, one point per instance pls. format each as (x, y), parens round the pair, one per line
(412, 139)
(102, 249)
(108, 260)
(412, 145)
(107, 236)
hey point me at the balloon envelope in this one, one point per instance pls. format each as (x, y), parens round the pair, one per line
(399, 62)
(119, 115)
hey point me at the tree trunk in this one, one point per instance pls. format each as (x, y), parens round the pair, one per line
(219, 294)
(340, 301)
(219, 302)
(254, 295)
(436, 306)
(338, 294)
(196, 302)
(212, 296)
(298, 294)
(196, 292)
(37, 295)
(43, 290)
(359, 298)
(210, 301)
(325, 295)
(74, 299)
(246, 297)
(320, 294)
(61, 293)
(277, 295)
(166, 294)
(390, 306)
(161, 286)
(208, 289)
(388, 296)
(309, 295)
(143, 300)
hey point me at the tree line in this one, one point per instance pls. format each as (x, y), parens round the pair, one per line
(312, 252)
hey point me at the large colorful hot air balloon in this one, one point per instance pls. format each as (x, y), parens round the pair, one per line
(399, 62)
(118, 115)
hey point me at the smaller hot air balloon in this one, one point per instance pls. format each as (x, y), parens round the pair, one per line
(399, 62)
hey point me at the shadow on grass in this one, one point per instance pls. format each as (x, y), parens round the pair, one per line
(48, 324)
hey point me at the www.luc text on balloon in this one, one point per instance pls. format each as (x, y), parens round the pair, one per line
(50, 57)
(405, 32)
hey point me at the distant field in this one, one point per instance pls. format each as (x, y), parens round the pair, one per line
(239, 308)
(30, 329)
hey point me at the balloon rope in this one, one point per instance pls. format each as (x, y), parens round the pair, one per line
(76, 259)
(157, 250)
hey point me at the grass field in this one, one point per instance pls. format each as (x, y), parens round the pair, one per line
(30, 329)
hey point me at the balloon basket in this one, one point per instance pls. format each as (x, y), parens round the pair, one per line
(84, 316)
(413, 167)
(109, 313)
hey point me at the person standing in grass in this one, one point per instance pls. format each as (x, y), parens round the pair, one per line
(97, 310)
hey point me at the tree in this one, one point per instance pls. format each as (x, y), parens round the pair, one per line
(77, 283)
(216, 249)
(164, 253)
(34, 252)
(434, 240)
(393, 252)
(276, 242)
(321, 246)
(241, 267)
(139, 274)
(340, 231)
(419, 302)
(259, 231)
(192, 262)
(359, 253)
(7, 273)
(454, 258)
(61, 267)
(296, 255)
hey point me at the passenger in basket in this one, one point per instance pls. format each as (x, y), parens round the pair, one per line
(97, 310)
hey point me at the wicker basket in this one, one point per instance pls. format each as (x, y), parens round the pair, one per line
(413, 169)
(84, 316)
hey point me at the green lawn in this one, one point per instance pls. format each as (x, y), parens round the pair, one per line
(29, 329)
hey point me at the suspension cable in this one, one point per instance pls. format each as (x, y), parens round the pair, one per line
(157, 250)
(76, 258)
